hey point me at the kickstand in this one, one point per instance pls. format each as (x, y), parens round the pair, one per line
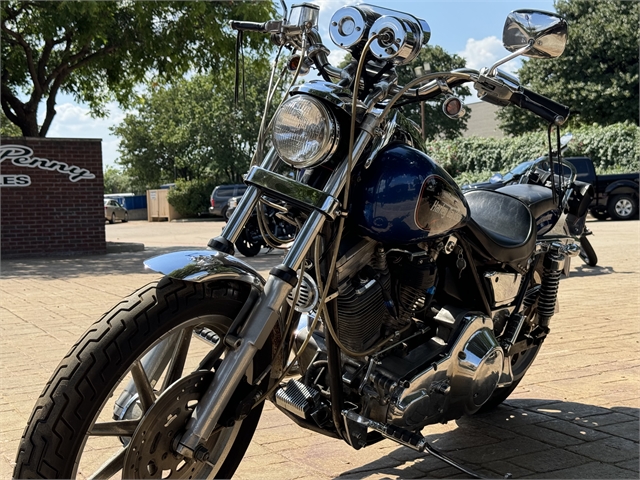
(433, 451)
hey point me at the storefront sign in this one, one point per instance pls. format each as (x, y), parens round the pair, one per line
(15, 180)
(22, 156)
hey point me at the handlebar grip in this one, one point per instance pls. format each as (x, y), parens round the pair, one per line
(248, 26)
(542, 106)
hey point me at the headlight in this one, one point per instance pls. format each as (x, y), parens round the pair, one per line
(305, 132)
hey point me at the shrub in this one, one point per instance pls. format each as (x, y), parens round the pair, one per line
(191, 197)
(612, 148)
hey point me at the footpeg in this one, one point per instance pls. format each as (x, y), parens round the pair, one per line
(297, 398)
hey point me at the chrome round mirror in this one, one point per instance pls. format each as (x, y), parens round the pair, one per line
(544, 32)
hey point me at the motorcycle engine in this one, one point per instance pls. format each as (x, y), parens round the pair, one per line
(440, 362)
(376, 299)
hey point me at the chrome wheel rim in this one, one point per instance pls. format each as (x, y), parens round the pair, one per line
(624, 207)
(115, 433)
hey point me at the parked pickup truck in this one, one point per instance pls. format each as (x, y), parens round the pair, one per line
(616, 195)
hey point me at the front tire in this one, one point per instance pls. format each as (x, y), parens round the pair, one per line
(80, 399)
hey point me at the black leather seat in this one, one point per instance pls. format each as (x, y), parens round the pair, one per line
(539, 199)
(502, 224)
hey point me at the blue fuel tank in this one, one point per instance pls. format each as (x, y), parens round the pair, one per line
(405, 198)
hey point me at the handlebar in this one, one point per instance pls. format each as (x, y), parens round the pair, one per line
(248, 26)
(506, 89)
(542, 106)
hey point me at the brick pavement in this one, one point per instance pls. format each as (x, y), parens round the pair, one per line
(575, 415)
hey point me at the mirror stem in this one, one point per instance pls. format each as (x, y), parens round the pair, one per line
(515, 54)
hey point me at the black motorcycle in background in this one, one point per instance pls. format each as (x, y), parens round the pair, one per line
(537, 172)
(264, 229)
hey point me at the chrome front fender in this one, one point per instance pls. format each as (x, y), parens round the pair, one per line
(205, 266)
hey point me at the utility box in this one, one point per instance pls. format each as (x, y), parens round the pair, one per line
(158, 208)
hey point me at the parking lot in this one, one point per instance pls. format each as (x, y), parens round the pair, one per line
(575, 415)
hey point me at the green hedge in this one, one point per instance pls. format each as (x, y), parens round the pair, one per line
(614, 148)
(191, 197)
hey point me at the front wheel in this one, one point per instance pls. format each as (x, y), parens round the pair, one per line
(114, 390)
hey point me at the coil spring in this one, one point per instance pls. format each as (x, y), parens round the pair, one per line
(548, 293)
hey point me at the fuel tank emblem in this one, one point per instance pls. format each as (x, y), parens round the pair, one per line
(439, 208)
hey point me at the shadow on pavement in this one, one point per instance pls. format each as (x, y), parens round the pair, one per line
(527, 439)
(586, 271)
(109, 264)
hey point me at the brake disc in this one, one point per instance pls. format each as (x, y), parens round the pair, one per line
(150, 453)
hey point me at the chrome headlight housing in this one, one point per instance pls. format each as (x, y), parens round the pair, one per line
(305, 132)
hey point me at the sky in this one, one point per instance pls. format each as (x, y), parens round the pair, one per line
(472, 29)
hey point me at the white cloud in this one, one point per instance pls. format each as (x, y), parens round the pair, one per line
(484, 53)
(74, 121)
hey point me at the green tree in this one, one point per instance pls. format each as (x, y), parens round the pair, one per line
(191, 130)
(115, 181)
(597, 75)
(8, 129)
(437, 124)
(98, 51)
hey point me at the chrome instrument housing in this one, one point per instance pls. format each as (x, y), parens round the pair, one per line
(399, 41)
(351, 27)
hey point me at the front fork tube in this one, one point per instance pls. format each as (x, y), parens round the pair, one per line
(264, 316)
(253, 335)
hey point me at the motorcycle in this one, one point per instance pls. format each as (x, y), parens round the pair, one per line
(537, 172)
(401, 303)
(267, 227)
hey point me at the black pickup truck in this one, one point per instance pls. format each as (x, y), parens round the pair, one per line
(615, 195)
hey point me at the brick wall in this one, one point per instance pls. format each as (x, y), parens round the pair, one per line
(61, 212)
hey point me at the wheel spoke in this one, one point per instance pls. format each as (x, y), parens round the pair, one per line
(124, 428)
(144, 388)
(112, 466)
(179, 358)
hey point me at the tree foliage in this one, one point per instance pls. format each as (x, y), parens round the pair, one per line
(597, 75)
(99, 51)
(8, 129)
(613, 148)
(191, 197)
(191, 130)
(115, 181)
(437, 124)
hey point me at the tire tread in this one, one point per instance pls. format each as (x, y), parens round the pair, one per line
(61, 416)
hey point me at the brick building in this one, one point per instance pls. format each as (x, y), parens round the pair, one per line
(51, 197)
(482, 121)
